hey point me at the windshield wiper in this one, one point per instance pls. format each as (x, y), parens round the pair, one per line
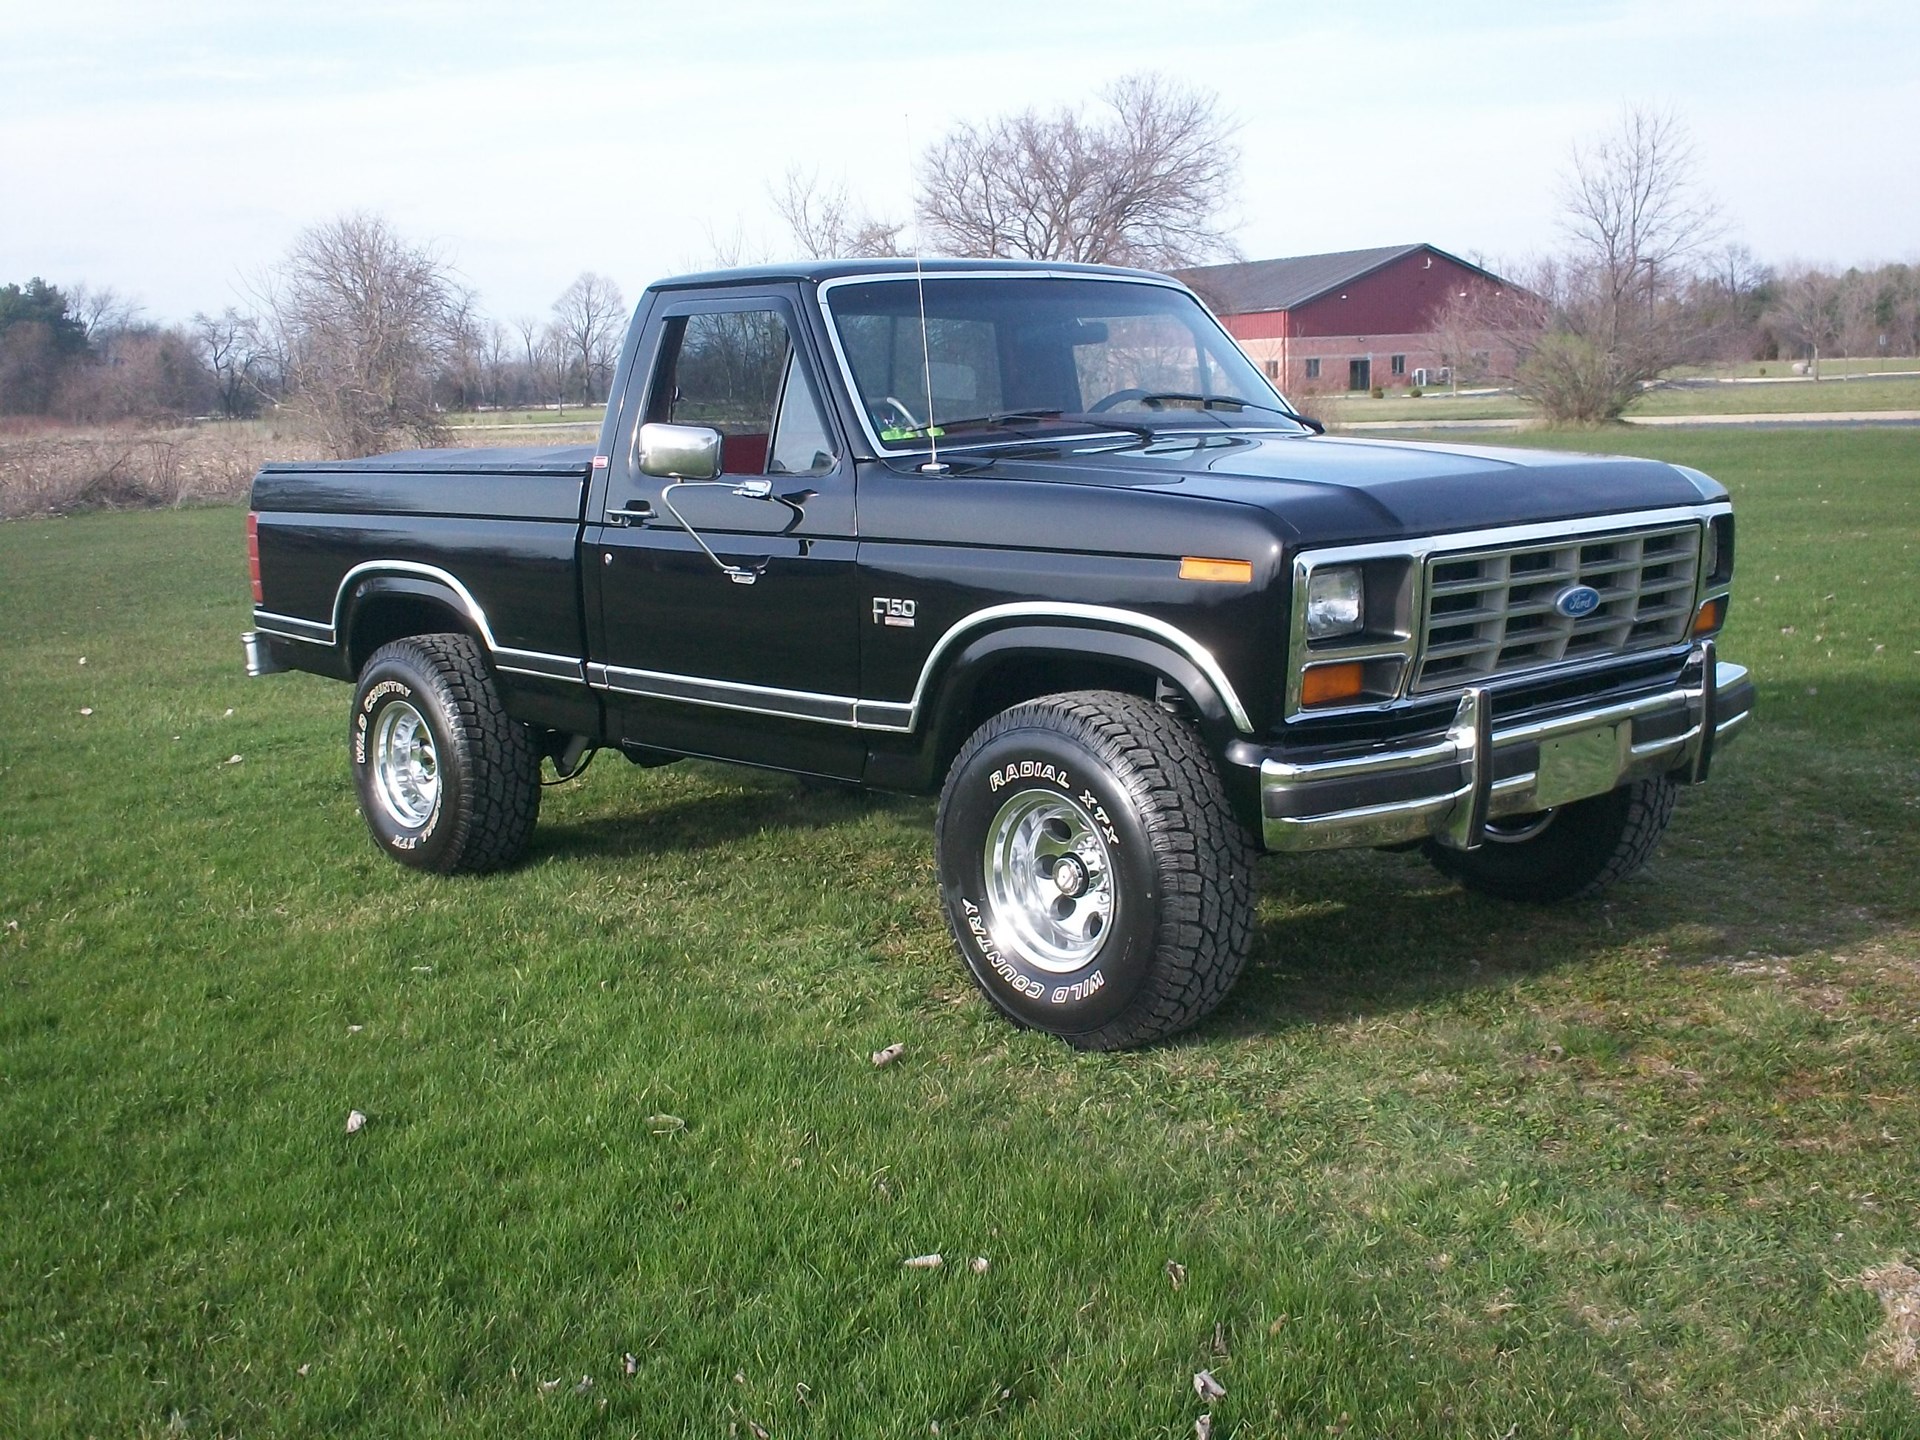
(1208, 402)
(1101, 421)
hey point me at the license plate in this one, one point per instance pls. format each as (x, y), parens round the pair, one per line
(1572, 767)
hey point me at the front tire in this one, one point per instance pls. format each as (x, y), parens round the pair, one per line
(1568, 853)
(1093, 876)
(448, 782)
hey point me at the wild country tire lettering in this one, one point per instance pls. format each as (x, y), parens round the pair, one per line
(1022, 984)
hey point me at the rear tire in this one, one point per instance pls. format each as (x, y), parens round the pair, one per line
(448, 781)
(1093, 875)
(1568, 853)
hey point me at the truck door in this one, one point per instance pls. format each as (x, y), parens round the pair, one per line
(692, 659)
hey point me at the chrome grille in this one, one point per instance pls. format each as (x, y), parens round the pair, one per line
(1491, 612)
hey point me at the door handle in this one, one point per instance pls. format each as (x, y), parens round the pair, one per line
(636, 512)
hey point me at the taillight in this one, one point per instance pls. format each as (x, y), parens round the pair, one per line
(253, 557)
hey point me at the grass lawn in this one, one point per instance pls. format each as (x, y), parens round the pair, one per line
(1440, 1166)
(1800, 397)
(495, 419)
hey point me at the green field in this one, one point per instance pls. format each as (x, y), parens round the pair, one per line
(1440, 1166)
(499, 419)
(1795, 397)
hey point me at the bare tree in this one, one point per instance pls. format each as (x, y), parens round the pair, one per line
(364, 320)
(589, 320)
(1142, 183)
(1470, 328)
(101, 310)
(1588, 329)
(496, 359)
(1807, 312)
(1857, 313)
(231, 348)
(1903, 285)
(824, 224)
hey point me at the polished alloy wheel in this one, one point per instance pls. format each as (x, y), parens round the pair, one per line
(1518, 829)
(1049, 880)
(405, 770)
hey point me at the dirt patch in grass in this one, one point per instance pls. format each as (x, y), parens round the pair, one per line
(1898, 1341)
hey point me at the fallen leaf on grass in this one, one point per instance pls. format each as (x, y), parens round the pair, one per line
(547, 1387)
(739, 1377)
(1279, 1324)
(759, 1431)
(665, 1124)
(630, 1362)
(1219, 1341)
(586, 1384)
(923, 1262)
(1203, 1428)
(86, 709)
(356, 1122)
(887, 1056)
(83, 659)
(979, 1264)
(233, 760)
(1176, 1274)
(1208, 1388)
(355, 1029)
(304, 1369)
(229, 712)
(803, 1392)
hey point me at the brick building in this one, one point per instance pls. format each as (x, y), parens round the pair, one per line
(1345, 321)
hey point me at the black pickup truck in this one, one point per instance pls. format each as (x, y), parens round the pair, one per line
(1039, 538)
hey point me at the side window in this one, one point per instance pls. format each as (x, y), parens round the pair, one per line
(724, 370)
(802, 445)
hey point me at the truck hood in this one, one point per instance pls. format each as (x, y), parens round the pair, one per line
(1335, 490)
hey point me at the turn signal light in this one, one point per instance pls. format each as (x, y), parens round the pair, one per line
(1198, 567)
(1708, 619)
(1330, 684)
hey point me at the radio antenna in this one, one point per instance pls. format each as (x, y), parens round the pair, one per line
(933, 465)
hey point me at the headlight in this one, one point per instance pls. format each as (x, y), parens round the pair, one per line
(1710, 551)
(1334, 602)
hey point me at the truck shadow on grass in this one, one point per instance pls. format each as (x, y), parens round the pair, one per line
(1364, 935)
(735, 807)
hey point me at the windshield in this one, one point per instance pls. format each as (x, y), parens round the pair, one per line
(1036, 354)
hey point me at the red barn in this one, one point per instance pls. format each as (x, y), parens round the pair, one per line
(1346, 321)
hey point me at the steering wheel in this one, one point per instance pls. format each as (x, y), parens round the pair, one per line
(1120, 397)
(898, 407)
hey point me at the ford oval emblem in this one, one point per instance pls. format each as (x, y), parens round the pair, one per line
(1576, 601)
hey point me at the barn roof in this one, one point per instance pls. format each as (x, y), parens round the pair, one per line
(1250, 286)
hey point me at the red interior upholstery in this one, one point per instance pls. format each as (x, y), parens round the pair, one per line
(743, 454)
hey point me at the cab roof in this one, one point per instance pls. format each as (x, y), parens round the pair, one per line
(812, 272)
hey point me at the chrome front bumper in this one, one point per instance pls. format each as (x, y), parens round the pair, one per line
(1447, 789)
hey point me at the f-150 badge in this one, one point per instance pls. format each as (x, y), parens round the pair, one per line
(893, 612)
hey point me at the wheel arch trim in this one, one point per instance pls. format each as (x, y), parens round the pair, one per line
(1094, 618)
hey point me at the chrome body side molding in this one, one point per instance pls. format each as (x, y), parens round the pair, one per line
(904, 717)
(536, 663)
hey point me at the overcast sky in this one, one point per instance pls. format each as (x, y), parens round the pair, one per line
(174, 150)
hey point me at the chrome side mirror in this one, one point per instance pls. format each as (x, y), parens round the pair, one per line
(679, 452)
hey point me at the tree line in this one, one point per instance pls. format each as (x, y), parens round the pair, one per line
(366, 334)
(372, 338)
